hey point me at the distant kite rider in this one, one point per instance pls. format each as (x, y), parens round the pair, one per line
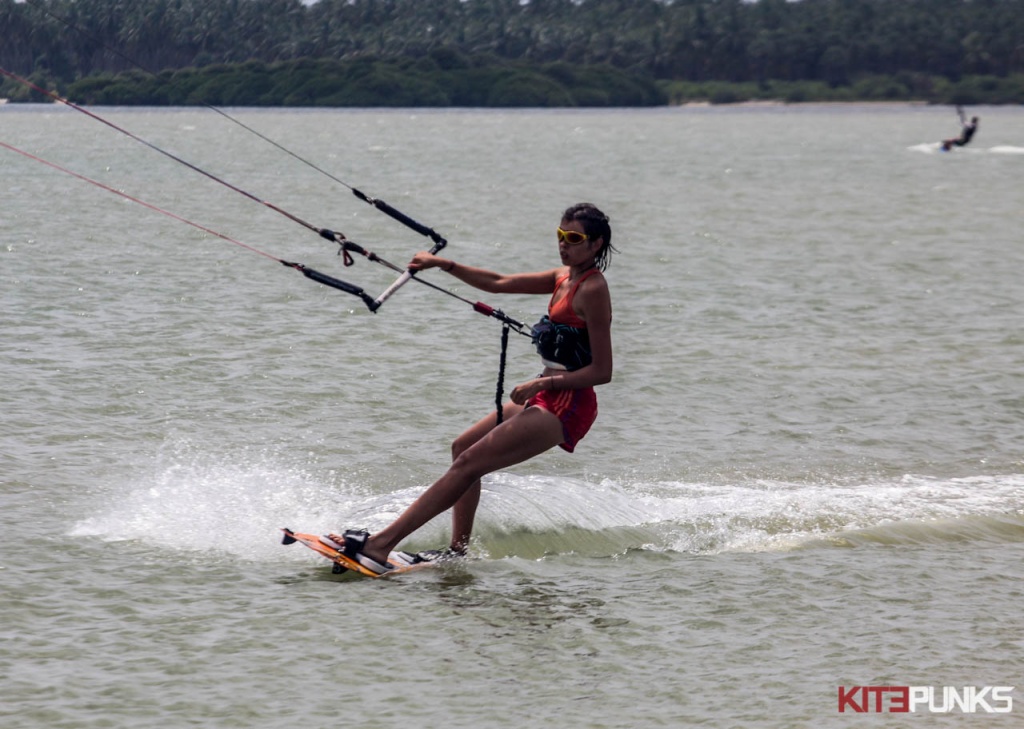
(968, 128)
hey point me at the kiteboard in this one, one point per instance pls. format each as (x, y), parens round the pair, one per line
(399, 562)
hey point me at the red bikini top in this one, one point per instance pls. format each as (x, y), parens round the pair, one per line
(561, 312)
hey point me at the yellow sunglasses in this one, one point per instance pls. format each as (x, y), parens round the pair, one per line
(571, 237)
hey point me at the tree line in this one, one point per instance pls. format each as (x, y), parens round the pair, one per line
(439, 79)
(554, 52)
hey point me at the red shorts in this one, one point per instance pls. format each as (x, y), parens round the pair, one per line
(577, 409)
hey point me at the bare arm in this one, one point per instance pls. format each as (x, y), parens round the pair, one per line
(541, 282)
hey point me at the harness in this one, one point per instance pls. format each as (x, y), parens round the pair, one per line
(560, 346)
(561, 337)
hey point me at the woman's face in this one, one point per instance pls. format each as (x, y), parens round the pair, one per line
(573, 250)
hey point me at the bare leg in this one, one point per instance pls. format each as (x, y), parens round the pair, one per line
(527, 434)
(464, 511)
(463, 516)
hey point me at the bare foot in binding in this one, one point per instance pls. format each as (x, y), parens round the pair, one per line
(353, 545)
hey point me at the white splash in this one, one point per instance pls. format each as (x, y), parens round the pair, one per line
(191, 501)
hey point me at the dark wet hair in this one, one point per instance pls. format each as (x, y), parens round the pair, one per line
(595, 225)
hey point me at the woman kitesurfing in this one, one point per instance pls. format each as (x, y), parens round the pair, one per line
(556, 408)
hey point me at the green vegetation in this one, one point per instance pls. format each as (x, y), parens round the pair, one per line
(374, 82)
(513, 52)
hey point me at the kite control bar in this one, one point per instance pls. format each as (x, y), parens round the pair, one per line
(403, 279)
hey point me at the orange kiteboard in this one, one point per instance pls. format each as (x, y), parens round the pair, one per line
(399, 561)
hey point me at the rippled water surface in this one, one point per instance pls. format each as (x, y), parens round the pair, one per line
(807, 472)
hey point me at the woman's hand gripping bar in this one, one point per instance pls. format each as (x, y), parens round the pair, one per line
(403, 279)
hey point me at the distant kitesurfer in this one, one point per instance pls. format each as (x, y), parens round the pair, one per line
(556, 408)
(967, 130)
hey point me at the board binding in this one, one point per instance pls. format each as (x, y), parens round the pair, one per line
(399, 562)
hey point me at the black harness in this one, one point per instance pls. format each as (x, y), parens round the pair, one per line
(560, 345)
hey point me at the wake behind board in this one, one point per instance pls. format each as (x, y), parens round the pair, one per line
(400, 561)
